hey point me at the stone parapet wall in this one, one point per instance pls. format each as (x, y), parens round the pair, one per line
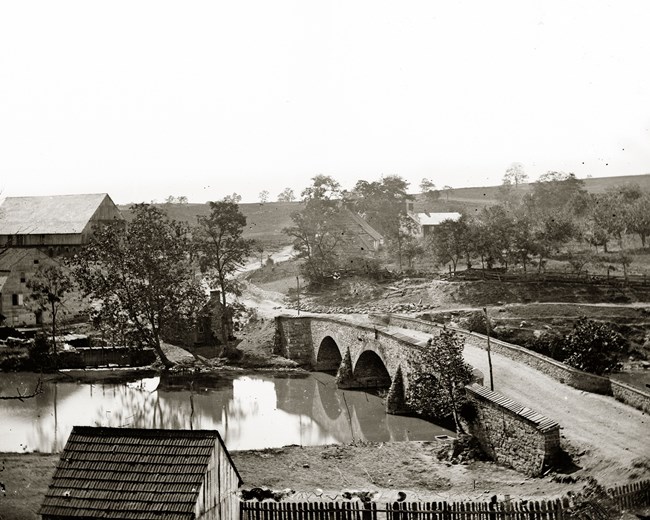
(630, 395)
(555, 369)
(510, 433)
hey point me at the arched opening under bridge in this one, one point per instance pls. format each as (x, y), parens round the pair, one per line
(370, 372)
(329, 356)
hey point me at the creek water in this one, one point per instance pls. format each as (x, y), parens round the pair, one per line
(250, 411)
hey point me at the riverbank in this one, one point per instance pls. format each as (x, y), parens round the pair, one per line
(320, 473)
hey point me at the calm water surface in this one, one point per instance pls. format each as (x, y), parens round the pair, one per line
(250, 411)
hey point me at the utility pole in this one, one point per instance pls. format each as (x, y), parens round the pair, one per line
(298, 291)
(487, 325)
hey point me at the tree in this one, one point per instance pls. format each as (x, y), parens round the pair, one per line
(555, 190)
(235, 198)
(316, 229)
(638, 217)
(429, 189)
(383, 204)
(594, 347)
(51, 286)
(222, 249)
(264, 196)
(447, 191)
(142, 277)
(286, 195)
(515, 174)
(437, 390)
(449, 241)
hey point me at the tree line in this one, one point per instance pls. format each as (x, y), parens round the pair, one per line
(528, 227)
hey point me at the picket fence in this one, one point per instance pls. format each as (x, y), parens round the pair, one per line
(533, 510)
(623, 497)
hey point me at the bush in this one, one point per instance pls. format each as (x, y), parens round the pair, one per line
(476, 322)
(594, 347)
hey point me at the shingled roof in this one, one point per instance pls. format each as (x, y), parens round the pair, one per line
(130, 474)
(56, 214)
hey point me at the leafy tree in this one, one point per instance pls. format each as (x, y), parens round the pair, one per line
(447, 191)
(594, 347)
(497, 225)
(555, 190)
(222, 249)
(552, 232)
(608, 217)
(235, 197)
(515, 174)
(264, 196)
(286, 195)
(142, 276)
(428, 187)
(383, 204)
(638, 217)
(437, 390)
(449, 241)
(412, 248)
(316, 229)
(51, 286)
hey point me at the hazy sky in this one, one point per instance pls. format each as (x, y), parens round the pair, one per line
(142, 99)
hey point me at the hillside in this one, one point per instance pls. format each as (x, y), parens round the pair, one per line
(265, 221)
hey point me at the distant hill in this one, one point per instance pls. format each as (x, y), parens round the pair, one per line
(265, 221)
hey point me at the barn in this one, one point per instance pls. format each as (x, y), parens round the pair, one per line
(56, 224)
(143, 474)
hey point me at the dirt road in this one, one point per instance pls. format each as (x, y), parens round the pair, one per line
(614, 438)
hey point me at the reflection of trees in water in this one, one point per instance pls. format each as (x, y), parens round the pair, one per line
(246, 411)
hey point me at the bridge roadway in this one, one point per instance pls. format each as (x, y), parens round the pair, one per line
(611, 434)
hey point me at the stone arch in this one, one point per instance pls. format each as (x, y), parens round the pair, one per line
(328, 356)
(370, 371)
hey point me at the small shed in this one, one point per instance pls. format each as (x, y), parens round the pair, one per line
(143, 474)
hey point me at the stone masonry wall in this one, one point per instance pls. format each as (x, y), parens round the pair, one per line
(511, 434)
(630, 395)
(558, 371)
(293, 339)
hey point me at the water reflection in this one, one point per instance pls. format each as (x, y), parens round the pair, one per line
(250, 411)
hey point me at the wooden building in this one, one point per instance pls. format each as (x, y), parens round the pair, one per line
(55, 224)
(143, 474)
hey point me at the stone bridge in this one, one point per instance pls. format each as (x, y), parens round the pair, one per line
(379, 358)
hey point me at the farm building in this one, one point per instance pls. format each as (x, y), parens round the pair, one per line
(143, 474)
(426, 222)
(55, 224)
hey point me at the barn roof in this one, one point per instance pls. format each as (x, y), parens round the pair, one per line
(130, 473)
(49, 215)
(433, 219)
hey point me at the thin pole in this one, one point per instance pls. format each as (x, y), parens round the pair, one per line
(489, 352)
(298, 289)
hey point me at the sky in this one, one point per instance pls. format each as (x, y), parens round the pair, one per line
(149, 98)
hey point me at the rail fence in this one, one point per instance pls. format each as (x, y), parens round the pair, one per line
(623, 497)
(555, 277)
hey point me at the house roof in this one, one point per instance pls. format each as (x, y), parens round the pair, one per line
(364, 225)
(433, 219)
(130, 473)
(56, 214)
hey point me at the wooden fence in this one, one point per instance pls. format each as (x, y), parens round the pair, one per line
(519, 510)
(555, 277)
(623, 497)
(631, 495)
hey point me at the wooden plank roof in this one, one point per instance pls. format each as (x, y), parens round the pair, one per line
(131, 474)
(541, 422)
(48, 215)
